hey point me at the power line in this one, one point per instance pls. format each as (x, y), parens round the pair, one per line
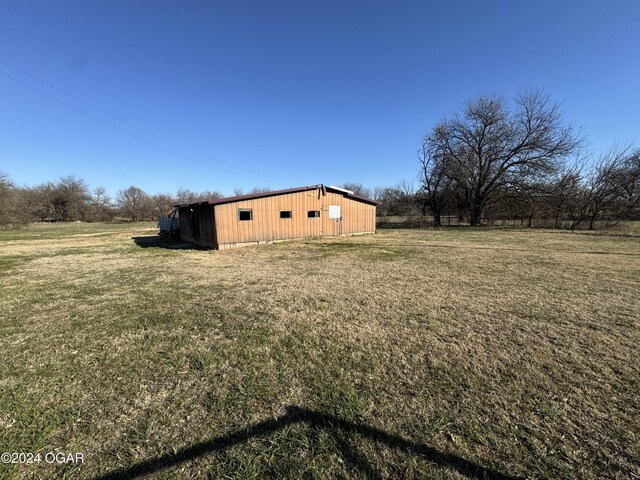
(148, 132)
(161, 147)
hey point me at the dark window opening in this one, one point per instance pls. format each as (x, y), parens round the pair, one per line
(285, 214)
(313, 214)
(245, 214)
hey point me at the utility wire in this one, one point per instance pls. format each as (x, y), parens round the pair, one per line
(148, 132)
(161, 147)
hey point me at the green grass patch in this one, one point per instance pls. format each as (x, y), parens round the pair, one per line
(440, 353)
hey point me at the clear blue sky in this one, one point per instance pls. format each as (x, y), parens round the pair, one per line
(303, 92)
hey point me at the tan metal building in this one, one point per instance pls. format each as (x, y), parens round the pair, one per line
(313, 211)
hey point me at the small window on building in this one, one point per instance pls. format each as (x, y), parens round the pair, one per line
(245, 214)
(285, 214)
(313, 214)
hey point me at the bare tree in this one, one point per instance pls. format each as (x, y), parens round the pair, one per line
(72, 196)
(435, 188)
(184, 195)
(134, 203)
(386, 207)
(611, 190)
(187, 196)
(563, 193)
(7, 202)
(238, 192)
(357, 188)
(400, 200)
(5, 183)
(260, 190)
(43, 203)
(100, 205)
(378, 193)
(161, 204)
(488, 146)
(65, 201)
(100, 197)
(629, 180)
(210, 195)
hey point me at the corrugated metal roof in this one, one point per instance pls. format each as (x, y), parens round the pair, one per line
(252, 196)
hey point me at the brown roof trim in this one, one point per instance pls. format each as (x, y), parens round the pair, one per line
(253, 196)
(357, 197)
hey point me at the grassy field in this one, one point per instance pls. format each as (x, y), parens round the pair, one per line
(449, 353)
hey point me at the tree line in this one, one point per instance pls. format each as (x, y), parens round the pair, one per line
(488, 162)
(494, 161)
(71, 200)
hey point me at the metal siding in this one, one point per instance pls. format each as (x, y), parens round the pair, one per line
(267, 226)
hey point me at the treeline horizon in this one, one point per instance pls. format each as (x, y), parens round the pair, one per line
(577, 197)
(490, 161)
(69, 199)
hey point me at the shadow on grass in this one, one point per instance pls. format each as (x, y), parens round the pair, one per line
(558, 231)
(505, 228)
(163, 242)
(347, 246)
(417, 226)
(340, 429)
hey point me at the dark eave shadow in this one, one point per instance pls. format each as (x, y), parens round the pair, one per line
(157, 241)
(340, 429)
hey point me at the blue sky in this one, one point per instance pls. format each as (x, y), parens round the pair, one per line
(242, 94)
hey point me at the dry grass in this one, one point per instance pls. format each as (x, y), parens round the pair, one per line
(408, 354)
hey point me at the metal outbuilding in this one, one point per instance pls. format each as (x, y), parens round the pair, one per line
(267, 217)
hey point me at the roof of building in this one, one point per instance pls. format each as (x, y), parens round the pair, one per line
(253, 196)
